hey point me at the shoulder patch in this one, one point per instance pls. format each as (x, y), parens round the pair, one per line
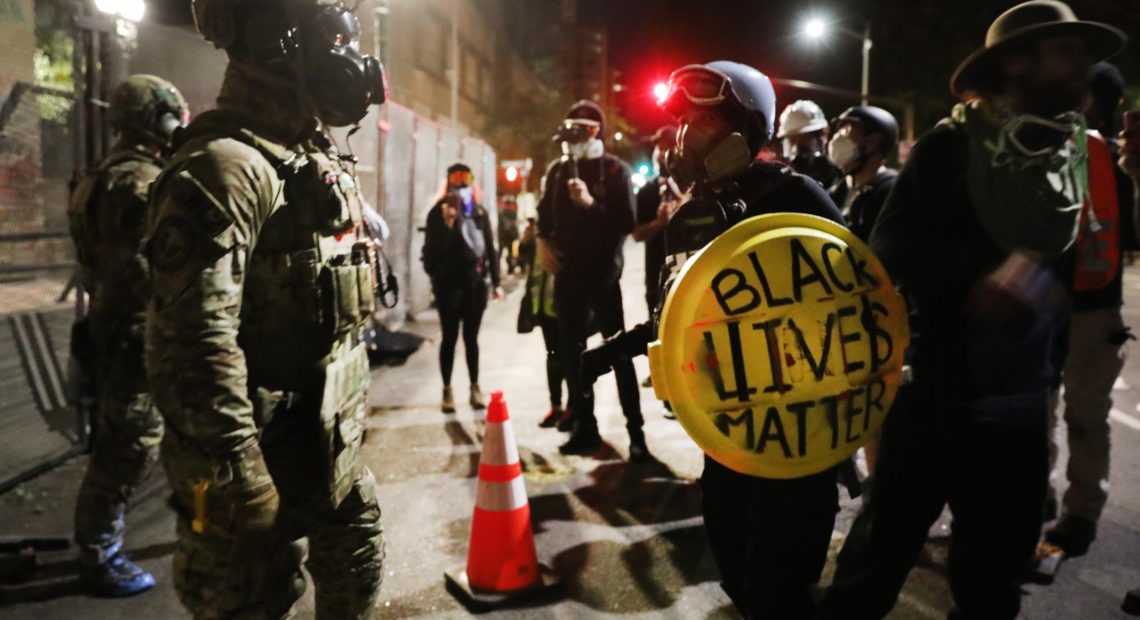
(170, 244)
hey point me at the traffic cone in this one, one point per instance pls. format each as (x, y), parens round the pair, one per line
(502, 567)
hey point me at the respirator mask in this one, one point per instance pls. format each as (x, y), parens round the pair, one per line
(845, 153)
(700, 157)
(341, 81)
(579, 138)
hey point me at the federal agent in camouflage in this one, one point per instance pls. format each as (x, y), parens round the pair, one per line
(107, 217)
(262, 276)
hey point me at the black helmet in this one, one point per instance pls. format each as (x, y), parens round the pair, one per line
(872, 120)
(741, 88)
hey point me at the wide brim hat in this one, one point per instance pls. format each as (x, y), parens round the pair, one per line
(1037, 18)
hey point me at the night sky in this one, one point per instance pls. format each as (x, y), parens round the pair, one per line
(917, 44)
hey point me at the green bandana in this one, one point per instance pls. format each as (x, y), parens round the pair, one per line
(1027, 203)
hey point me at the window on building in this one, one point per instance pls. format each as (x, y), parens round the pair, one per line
(431, 43)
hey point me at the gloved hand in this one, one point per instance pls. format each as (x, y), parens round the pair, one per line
(253, 502)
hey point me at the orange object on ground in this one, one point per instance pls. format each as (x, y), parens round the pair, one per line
(501, 555)
(502, 565)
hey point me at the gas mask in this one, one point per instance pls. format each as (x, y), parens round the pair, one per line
(699, 159)
(1035, 136)
(845, 153)
(341, 81)
(579, 138)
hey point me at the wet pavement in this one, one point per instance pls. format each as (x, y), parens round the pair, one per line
(626, 539)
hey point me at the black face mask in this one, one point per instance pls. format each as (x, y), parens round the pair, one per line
(341, 81)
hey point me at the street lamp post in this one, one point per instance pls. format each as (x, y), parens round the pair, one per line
(816, 28)
(866, 61)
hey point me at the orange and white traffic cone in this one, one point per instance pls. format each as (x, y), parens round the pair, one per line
(502, 566)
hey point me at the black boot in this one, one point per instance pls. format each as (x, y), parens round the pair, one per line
(638, 451)
(582, 441)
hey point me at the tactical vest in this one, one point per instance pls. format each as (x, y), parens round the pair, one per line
(98, 229)
(311, 279)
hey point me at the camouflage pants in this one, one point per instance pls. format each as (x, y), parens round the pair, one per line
(345, 545)
(124, 451)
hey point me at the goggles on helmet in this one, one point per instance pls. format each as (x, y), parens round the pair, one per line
(698, 84)
(460, 178)
(577, 130)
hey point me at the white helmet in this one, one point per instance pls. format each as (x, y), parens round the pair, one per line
(799, 117)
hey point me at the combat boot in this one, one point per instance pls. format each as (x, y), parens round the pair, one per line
(476, 399)
(1072, 534)
(582, 441)
(638, 451)
(116, 578)
(447, 404)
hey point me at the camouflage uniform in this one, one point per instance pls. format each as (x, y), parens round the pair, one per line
(107, 216)
(262, 279)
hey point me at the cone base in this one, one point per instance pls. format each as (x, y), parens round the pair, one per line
(483, 600)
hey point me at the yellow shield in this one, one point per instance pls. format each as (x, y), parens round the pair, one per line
(781, 346)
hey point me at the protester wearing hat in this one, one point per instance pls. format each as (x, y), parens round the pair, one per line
(864, 138)
(585, 212)
(459, 255)
(804, 133)
(975, 233)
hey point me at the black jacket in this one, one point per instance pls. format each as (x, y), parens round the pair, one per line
(589, 239)
(968, 339)
(449, 259)
(866, 202)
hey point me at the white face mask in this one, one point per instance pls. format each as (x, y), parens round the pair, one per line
(844, 152)
(590, 149)
(466, 194)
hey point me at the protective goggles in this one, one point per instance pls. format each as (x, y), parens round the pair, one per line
(460, 178)
(577, 130)
(334, 25)
(698, 84)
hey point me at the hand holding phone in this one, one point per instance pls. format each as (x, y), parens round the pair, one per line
(1130, 144)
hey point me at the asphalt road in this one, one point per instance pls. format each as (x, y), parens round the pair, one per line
(627, 540)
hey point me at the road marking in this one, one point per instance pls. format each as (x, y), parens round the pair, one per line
(1123, 418)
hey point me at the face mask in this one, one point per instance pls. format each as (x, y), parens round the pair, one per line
(590, 149)
(466, 194)
(701, 160)
(844, 152)
(1035, 136)
(340, 80)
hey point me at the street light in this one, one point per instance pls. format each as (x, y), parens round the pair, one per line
(816, 28)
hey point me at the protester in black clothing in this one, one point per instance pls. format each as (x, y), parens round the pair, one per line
(653, 214)
(458, 255)
(804, 131)
(509, 231)
(584, 215)
(976, 235)
(769, 537)
(864, 138)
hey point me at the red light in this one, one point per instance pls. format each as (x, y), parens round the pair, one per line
(660, 91)
(512, 173)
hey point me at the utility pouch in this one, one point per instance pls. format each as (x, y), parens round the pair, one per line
(342, 415)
